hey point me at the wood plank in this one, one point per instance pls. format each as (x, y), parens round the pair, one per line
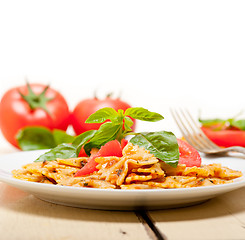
(221, 218)
(25, 217)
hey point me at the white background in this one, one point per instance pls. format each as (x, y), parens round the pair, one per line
(156, 54)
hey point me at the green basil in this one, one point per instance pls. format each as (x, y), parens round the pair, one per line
(107, 132)
(35, 138)
(128, 123)
(67, 150)
(231, 122)
(102, 115)
(210, 122)
(61, 136)
(64, 150)
(81, 139)
(32, 138)
(239, 124)
(162, 144)
(143, 114)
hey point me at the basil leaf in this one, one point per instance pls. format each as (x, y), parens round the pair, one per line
(64, 150)
(81, 139)
(239, 124)
(143, 114)
(162, 144)
(102, 115)
(128, 122)
(210, 122)
(33, 138)
(107, 132)
(61, 136)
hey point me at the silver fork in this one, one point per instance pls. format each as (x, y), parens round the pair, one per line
(193, 134)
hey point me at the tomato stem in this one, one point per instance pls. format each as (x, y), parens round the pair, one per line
(95, 95)
(36, 100)
(109, 95)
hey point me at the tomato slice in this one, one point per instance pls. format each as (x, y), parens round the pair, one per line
(124, 142)
(225, 138)
(188, 154)
(82, 153)
(112, 148)
(89, 167)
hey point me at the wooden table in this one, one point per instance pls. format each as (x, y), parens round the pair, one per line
(24, 217)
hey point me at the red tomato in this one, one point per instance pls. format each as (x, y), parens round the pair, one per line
(112, 148)
(89, 106)
(226, 138)
(124, 142)
(188, 155)
(16, 112)
(89, 167)
(82, 153)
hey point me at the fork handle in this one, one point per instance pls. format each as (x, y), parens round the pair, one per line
(236, 149)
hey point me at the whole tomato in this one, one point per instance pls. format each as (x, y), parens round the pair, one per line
(32, 105)
(89, 106)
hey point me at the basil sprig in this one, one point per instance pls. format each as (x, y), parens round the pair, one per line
(117, 125)
(120, 125)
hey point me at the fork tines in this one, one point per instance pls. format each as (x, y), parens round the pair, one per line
(192, 132)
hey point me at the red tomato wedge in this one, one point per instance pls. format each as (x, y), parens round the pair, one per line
(124, 142)
(82, 153)
(112, 148)
(89, 167)
(188, 154)
(226, 138)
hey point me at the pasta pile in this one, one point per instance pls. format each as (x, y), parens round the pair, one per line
(136, 169)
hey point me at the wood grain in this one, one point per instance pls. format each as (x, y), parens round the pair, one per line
(23, 216)
(221, 218)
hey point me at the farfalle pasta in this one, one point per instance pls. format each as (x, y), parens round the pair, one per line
(136, 169)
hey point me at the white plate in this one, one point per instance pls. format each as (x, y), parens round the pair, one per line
(117, 199)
